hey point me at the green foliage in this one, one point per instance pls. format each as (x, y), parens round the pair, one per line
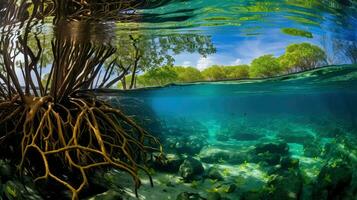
(300, 57)
(297, 32)
(265, 66)
(217, 72)
(214, 72)
(158, 76)
(236, 72)
(177, 74)
(188, 74)
(144, 52)
(45, 78)
(297, 57)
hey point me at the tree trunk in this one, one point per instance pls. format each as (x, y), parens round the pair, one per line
(123, 82)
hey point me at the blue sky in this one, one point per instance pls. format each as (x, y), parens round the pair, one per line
(234, 48)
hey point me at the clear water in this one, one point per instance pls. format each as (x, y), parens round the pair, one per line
(323, 94)
(313, 112)
(225, 125)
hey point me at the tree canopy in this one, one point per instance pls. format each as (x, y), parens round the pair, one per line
(214, 72)
(143, 52)
(167, 74)
(265, 66)
(300, 57)
(297, 57)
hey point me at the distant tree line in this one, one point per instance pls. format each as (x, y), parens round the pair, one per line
(297, 57)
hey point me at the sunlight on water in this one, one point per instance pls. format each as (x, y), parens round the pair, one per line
(231, 125)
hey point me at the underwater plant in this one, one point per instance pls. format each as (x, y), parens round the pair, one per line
(56, 129)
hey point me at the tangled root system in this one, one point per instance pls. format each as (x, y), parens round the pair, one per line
(83, 134)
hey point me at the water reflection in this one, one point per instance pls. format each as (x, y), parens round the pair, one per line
(163, 33)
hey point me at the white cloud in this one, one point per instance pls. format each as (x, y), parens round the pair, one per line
(204, 62)
(237, 62)
(186, 63)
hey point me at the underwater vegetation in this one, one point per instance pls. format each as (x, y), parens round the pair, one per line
(226, 140)
(52, 131)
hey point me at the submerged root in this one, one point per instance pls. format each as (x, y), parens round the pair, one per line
(79, 135)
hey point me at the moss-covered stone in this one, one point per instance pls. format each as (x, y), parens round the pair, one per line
(191, 169)
(215, 174)
(333, 180)
(189, 196)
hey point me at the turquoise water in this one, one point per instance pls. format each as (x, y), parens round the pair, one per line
(290, 137)
(322, 93)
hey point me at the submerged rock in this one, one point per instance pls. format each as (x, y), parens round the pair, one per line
(6, 171)
(268, 158)
(170, 164)
(341, 148)
(270, 153)
(14, 190)
(191, 169)
(186, 145)
(229, 188)
(312, 149)
(285, 185)
(215, 174)
(215, 155)
(333, 180)
(278, 147)
(214, 196)
(108, 195)
(251, 195)
(189, 196)
(222, 136)
(288, 163)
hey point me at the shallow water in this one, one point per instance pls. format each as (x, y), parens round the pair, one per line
(328, 92)
(223, 125)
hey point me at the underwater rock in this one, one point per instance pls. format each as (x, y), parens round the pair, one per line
(285, 185)
(295, 136)
(170, 164)
(333, 180)
(251, 195)
(342, 147)
(213, 173)
(312, 149)
(329, 131)
(222, 136)
(191, 169)
(230, 187)
(6, 171)
(189, 196)
(14, 190)
(215, 155)
(186, 145)
(267, 158)
(278, 147)
(287, 163)
(270, 153)
(108, 195)
(214, 196)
